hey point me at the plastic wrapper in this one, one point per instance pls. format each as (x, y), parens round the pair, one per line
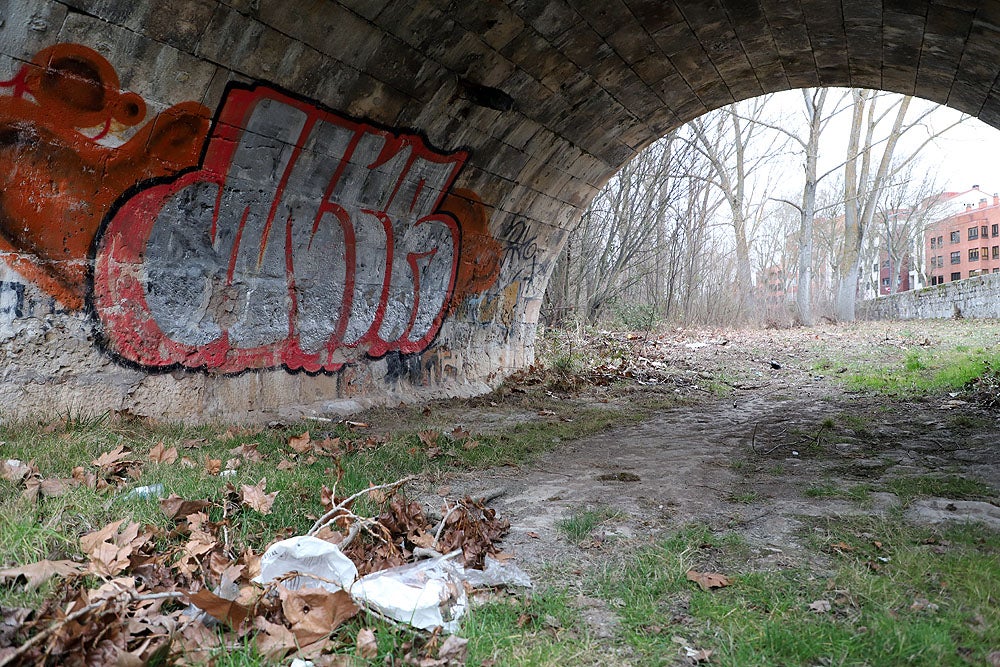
(330, 568)
(425, 595)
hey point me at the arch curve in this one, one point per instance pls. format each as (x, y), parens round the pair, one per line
(526, 106)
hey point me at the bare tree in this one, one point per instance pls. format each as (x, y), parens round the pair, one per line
(732, 140)
(865, 177)
(618, 247)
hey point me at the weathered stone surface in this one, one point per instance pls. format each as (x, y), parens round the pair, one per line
(535, 103)
(971, 297)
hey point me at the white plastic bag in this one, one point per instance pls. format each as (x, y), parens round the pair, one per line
(330, 568)
(425, 595)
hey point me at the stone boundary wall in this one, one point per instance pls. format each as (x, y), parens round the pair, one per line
(973, 297)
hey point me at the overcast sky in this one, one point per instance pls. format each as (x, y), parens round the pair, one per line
(966, 155)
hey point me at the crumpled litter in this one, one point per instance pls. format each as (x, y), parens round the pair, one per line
(426, 594)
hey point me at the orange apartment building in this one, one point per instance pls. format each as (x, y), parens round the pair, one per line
(965, 244)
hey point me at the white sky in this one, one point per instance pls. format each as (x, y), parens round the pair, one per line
(966, 155)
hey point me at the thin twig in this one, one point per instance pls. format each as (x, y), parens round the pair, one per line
(323, 520)
(444, 520)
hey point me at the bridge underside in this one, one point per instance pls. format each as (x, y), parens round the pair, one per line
(244, 208)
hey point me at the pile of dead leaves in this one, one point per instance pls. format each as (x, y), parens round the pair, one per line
(182, 594)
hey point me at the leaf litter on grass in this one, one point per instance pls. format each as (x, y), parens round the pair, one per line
(143, 594)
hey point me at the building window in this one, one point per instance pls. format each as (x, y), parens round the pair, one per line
(984, 252)
(996, 270)
(996, 230)
(956, 276)
(940, 241)
(996, 252)
(940, 260)
(973, 233)
(956, 237)
(933, 242)
(933, 262)
(983, 231)
(973, 254)
(956, 257)
(973, 273)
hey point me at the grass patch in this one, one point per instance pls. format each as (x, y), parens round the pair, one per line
(931, 602)
(582, 523)
(924, 371)
(543, 629)
(949, 486)
(858, 493)
(745, 497)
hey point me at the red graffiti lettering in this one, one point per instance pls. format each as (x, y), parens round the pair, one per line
(303, 240)
(295, 237)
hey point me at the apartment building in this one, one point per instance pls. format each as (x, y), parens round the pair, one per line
(966, 243)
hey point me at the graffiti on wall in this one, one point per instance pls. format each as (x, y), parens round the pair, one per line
(285, 235)
(57, 181)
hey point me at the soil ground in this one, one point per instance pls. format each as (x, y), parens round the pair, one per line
(774, 443)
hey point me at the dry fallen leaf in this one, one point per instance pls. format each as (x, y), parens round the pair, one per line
(108, 459)
(176, 507)
(708, 580)
(285, 465)
(469, 445)
(429, 438)
(273, 640)
(842, 546)
(699, 655)
(159, 454)
(820, 606)
(366, 645)
(255, 498)
(300, 443)
(52, 488)
(35, 574)
(111, 547)
(458, 433)
(14, 470)
(227, 611)
(453, 650)
(213, 466)
(315, 612)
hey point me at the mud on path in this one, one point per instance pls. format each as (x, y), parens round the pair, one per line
(785, 444)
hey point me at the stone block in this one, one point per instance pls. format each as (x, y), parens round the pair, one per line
(161, 74)
(28, 26)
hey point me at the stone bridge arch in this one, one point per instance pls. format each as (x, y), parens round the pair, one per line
(246, 208)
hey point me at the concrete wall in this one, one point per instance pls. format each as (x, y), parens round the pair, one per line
(251, 208)
(972, 297)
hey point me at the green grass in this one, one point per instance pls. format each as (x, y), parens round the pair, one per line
(922, 371)
(763, 618)
(953, 487)
(545, 628)
(859, 493)
(582, 523)
(744, 497)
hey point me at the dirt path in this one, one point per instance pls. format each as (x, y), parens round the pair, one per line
(757, 462)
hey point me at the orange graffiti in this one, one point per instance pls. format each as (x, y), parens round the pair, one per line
(57, 182)
(479, 266)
